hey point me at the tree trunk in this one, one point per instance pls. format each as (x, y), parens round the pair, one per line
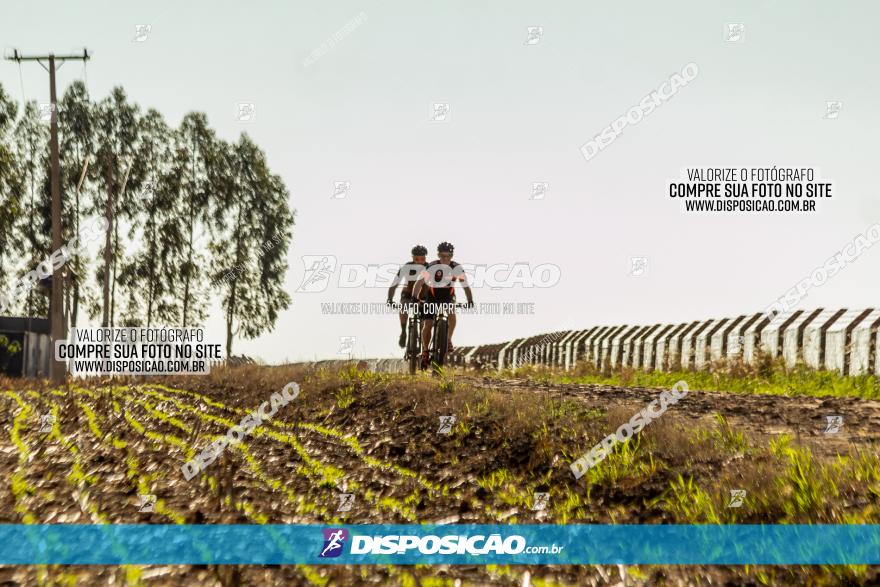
(113, 287)
(189, 268)
(120, 192)
(150, 290)
(230, 314)
(229, 318)
(75, 311)
(105, 315)
(189, 259)
(108, 210)
(150, 304)
(152, 275)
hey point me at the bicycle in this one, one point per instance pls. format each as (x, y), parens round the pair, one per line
(413, 337)
(440, 338)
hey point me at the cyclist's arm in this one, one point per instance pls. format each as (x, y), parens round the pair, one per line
(467, 292)
(417, 288)
(460, 276)
(394, 284)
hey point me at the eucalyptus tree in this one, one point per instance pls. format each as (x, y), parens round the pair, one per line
(151, 276)
(10, 184)
(32, 224)
(116, 133)
(201, 164)
(253, 224)
(76, 125)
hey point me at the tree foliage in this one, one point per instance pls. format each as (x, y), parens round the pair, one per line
(190, 215)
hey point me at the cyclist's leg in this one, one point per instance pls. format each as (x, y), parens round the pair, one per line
(404, 300)
(428, 312)
(427, 325)
(451, 326)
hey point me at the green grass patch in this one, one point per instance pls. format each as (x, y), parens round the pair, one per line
(763, 377)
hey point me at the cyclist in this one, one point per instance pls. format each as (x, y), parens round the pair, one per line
(408, 272)
(437, 278)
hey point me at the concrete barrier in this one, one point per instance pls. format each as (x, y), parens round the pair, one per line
(650, 345)
(864, 346)
(576, 346)
(846, 341)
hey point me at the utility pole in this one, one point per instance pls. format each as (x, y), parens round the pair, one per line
(56, 303)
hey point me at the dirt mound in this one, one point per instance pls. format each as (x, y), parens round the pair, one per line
(421, 449)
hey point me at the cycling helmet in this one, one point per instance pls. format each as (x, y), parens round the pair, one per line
(419, 251)
(445, 247)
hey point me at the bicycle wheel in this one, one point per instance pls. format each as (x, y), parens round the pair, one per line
(412, 346)
(441, 342)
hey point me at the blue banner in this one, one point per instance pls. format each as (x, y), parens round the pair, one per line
(454, 544)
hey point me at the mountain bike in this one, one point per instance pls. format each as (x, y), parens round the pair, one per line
(440, 338)
(413, 337)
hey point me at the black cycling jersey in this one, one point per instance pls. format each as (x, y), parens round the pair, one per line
(439, 279)
(408, 273)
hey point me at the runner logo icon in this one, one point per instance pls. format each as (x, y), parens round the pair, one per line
(334, 541)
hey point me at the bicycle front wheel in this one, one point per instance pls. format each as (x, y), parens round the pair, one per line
(442, 342)
(412, 347)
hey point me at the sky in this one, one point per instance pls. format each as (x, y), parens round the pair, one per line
(360, 111)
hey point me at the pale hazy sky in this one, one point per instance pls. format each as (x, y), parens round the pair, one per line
(519, 114)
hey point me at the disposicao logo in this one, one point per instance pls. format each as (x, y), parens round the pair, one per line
(444, 545)
(334, 542)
